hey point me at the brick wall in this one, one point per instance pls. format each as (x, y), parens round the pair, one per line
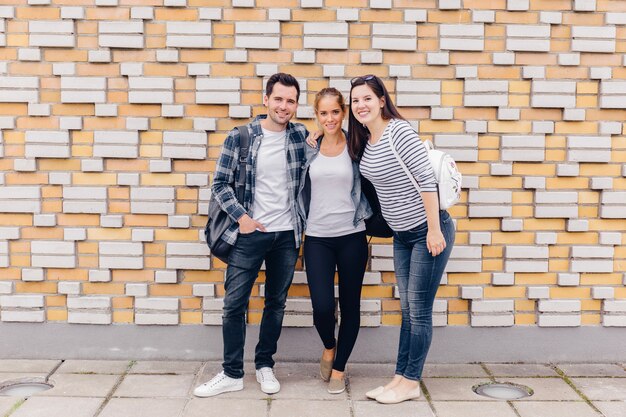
(112, 113)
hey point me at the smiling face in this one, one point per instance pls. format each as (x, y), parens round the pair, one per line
(329, 114)
(281, 106)
(365, 104)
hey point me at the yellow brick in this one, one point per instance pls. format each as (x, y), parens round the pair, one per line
(524, 305)
(376, 292)
(519, 101)
(88, 262)
(85, 248)
(203, 276)
(570, 292)
(467, 279)
(190, 317)
(162, 179)
(254, 318)
(447, 291)
(99, 178)
(122, 275)
(591, 319)
(525, 319)
(509, 126)
(504, 292)
(500, 182)
(56, 315)
(492, 265)
(170, 290)
(387, 16)
(55, 301)
(591, 305)
(558, 265)
(125, 317)
(391, 319)
(458, 306)
(36, 287)
(122, 302)
(66, 274)
(587, 101)
(103, 288)
(478, 224)
(517, 87)
(37, 13)
(567, 183)
(458, 319)
(559, 251)
(108, 234)
(523, 197)
(601, 279)
(523, 211)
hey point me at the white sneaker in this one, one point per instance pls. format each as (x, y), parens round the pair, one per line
(269, 383)
(219, 384)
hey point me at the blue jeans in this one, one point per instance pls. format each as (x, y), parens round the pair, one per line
(418, 275)
(278, 250)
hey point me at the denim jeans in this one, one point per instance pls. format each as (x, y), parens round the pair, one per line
(418, 275)
(279, 252)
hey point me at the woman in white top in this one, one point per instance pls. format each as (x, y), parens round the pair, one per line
(423, 235)
(334, 209)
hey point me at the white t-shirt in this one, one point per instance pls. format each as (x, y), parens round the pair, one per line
(271, 195)
(331, 211)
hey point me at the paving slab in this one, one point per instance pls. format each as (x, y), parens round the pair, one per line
(312, 408)
(371, 408)
(28, 365)
(602, 388)
(222, 407)
(289, 369)
(155, 386)
(7, 404)
(554, 409)
(360, 385)
(370, 370)
(473, 409)
(93, 367)
(77, 385)
(9, 376)
(460, 370)
(455, 389)
(306, 389)
(546, 389)
(520, 370)
(144, 407)
(612, 409)
(165, 367)
(59, 407)
(592, 370)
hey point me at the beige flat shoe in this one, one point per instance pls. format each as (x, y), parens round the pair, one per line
(373, 393)
(336, 386)
(326, 368)
(391, 397)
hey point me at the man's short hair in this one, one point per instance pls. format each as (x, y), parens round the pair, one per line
(285, 79)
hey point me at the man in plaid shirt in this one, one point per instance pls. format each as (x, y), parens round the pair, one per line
(268, 228)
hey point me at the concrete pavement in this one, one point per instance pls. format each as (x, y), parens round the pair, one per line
(85, 388)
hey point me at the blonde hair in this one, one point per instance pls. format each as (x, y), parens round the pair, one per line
(329, 92)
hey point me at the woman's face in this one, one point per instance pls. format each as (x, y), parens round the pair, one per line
(330, 115)
(365, 104)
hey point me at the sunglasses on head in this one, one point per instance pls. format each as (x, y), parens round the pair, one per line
(362, 78)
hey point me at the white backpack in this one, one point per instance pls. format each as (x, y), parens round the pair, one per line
(447, 174)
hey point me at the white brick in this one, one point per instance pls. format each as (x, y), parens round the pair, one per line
(137, 290)
(471, 293)
(22, 301)
(99, 275)
(526, 266)
(23, 316)
(535, 293)
(517, 5)
(492, 306)
(166, 277)
(142, 235)
(568, 279)
(503, 279)
(146, 13)
(569, 59)
(592, 265)
(559, 306)
(69, 288)
(545, 238)
(88, 317)
(602, 293)
(557, 320)
(32, 274)
(99, 56)
(610, 238)
(554, 18)
(88, 302)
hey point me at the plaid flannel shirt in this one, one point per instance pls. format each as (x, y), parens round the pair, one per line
(226, 173)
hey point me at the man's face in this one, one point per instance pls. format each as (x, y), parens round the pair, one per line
(281, 104)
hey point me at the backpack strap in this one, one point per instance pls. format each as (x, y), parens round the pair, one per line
(404, 167)
(244, 146)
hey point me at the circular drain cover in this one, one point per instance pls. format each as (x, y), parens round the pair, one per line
(503, 390)
(23, 388)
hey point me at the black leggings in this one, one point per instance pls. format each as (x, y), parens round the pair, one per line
(349, 254)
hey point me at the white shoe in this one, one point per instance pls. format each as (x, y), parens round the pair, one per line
(269, 384)
(219, 384)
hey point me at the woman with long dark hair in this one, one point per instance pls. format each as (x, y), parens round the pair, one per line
(423, 234)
